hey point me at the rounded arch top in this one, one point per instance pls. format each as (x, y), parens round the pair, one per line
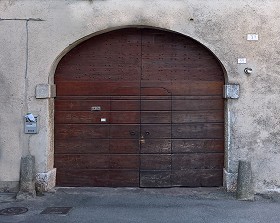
(210, 49)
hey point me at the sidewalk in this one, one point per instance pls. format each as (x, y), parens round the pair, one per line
(123, 205)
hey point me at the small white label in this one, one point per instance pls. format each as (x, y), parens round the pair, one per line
(103, 119)
(252, 37)
(242, 60)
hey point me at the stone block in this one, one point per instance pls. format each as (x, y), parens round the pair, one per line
(45, 91)
(27, 178)
(45, 181)
(231, 91)
(244, 182)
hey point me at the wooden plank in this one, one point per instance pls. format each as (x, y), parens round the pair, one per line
(95, 117)
(82, 178)
(123, 178)
(197, 88)
(125, 131)
(156, 146)
(155, 117)
(125, 105)
(97, 161)
(95, 146)
(197, 178)
(183, 73)
(197, 146)
(124, 161)
(197, 161)
(155, 178)
(156, 105)
(78, 131)
(155, 162)
(198, 131)
(125, 146)
(80, 146)
(81, 88)
(84, 117)
(105, 105)
(198, 116)
(159, 91)
(194, 105)
(82, 161)
(81, 105)
(156, 131)
(191, 88)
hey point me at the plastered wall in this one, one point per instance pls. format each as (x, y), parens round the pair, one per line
(35, 34)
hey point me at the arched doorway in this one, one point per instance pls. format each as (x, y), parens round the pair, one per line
(139, 107)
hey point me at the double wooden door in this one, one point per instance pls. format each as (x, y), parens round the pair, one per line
(139, 107)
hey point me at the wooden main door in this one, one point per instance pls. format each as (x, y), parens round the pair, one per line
(139, 107)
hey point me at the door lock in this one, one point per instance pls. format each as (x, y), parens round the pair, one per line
(142, 140)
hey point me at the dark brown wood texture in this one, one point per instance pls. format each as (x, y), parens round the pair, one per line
(161, 119)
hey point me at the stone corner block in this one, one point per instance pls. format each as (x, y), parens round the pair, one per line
(44, 91)
(231, 91)
(46, 181)
(245, 189)
(27, 178)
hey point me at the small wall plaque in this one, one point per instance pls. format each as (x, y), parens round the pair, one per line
(95, 108)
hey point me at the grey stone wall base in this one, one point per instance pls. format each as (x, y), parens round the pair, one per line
(245, 189)
(230, 181)
(45, 181)
(27, 178)
(9, 186)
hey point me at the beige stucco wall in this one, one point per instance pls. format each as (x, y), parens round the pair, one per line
(253, 119)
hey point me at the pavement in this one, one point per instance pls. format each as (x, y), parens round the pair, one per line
(135, 205)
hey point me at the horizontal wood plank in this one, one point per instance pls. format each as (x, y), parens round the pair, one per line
(197, 161)
(198, 131)
(96, 146)
(159, 146)
(81, 88)
(97, 161)
(197, 146)
(155, 162)
(198, 116)
(155, 178)
(197, 105)
(95, 117)
(197, 178)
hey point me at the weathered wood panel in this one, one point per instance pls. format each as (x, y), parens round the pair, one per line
(155, 162)
(156, 146)
(198, 131)
(197, 178)
(155, 178)
(197, 104)
(197, 161)
(160, 87)
(198, 116)
(197, 145)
